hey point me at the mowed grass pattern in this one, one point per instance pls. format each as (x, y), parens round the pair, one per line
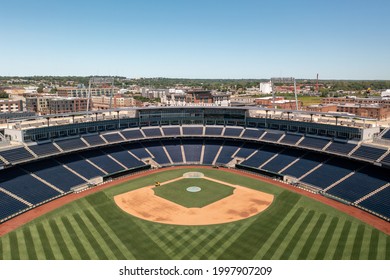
(293, 227)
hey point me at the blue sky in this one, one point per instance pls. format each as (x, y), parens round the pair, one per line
(342, 39)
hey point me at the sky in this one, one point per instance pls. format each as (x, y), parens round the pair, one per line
(343, 39)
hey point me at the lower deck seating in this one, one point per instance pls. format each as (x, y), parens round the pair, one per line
(361, 183)
(102, 160)
(331, 171)
(247, 149)
(305, 164)
(192, 150)
(283, 159)
(228, 149)
(80, 165)
(54, 173)
(44, 149)
(22, 184)
(158, 152)
(123, 156)
(173, 148)
(137, 149)
(9, 205)
(211, 148)
(262, 155)
(379, 202)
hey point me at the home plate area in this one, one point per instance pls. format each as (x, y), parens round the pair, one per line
(194, 199)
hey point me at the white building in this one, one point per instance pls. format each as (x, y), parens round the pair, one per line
(266, 88)
(386, 93)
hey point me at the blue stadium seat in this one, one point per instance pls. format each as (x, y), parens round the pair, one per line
(171, 130)
(71, 144)
(134, 133)
(386, 135)
(247, 149)
(16, 155)
(192, 130)
(252, 133)
(213, 130)
(233, 131)
(305, 164)
(122, 156)
(290, 139)
(283, 159)
(340, 148)
(379, 202)
(80, 165)
(9, 205)
(152, 132)
(113, 137)
(331, 171)
(211, 148)
(315, 143)
(137, 149)
(102, 160)
(192, 150)
(386, 160)
(271, 137)
(26, 186)
(158, 152)
(173, 148)
(228, 149)
(361, 183)
(55, 174)
(264, 154)
(44, 149)
(367, 152)
(94, 140)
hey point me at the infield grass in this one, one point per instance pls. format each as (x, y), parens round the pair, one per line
(177, 192)
(292, 227)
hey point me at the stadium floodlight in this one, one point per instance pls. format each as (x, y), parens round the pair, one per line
(284, 80)
(100, 81)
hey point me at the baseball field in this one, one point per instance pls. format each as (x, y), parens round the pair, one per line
(292, 226)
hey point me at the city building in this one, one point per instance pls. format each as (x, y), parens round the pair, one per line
(266, 88)
(279, 103)
(7, 105)
(81, 91)
(103, 102)
(44, 105)
(153, 93)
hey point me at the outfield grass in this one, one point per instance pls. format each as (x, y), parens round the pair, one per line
(177, 192)
(293, 227)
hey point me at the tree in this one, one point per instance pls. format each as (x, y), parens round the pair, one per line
(3, 94)
(40, 89)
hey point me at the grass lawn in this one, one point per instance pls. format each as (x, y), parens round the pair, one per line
(177, 192)
(293, 227)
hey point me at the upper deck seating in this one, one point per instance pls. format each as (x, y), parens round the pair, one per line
(71, 144)
(315, 143)
(367, 152)
(272, 137)
(233, 131)
(44, 149)
(213, 130)
(134, 133)
(192, 130)
(340, 148)
(113, 137)
(290, 139)
(94, 140)
(16, 155)
(252, 133)
(152, 132)
(171, 130)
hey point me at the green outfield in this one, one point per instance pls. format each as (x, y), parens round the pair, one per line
(293, 227)
(177, 192)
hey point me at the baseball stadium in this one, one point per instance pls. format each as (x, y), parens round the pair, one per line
(195, 183)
